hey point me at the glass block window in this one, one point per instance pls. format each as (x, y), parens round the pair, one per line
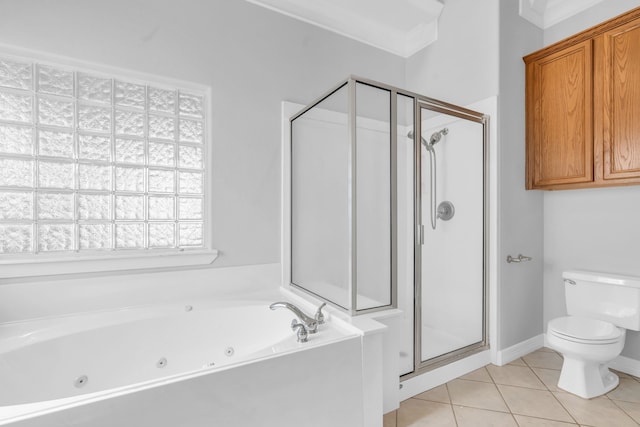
(92, 162)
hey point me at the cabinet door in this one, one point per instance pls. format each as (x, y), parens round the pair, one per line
(621, 98)
(559, 115)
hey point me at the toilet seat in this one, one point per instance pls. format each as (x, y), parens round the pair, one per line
(584, 330)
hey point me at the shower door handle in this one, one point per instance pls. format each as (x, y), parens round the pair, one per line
(421, 231)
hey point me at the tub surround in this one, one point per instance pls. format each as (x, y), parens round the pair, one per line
(130, 356)
(221, 398)
(58, 296)
(353, 363)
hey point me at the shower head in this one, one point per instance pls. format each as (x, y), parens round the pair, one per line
(436, 136)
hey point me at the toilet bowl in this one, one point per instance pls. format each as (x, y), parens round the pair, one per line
(600, 308)
(586, 345)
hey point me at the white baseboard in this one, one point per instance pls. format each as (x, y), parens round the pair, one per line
(518, 350)
(627, 365)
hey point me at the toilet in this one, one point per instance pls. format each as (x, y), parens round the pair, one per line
(600, 308)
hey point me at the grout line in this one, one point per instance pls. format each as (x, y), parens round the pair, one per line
(540, 379)
(549, 419)
(563, 407)
(615, 401)
(455, 418)
(491, 377)
(503, 399)
(446, 386)
(622, 409)
(547, 389)
(524, 386)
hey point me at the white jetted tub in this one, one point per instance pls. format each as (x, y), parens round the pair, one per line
(197, 364)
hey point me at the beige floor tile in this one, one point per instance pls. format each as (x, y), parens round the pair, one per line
(632, 409)
(476, 394)
(543, 359)
(473, 417)
(421, 413)
(534, 403)
(547, 349)
(597, 412)
(436, 394)
(628, 390)
(521, 376)
(549, 377)
(478, 375)
(524, 421)
(520, 388)
(389, 419)
(518, 362)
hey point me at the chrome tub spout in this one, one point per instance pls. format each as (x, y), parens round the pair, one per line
(309, 323)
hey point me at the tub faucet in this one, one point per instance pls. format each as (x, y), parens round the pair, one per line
(310, 324)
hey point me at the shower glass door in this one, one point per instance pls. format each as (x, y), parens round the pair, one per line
(450, 221)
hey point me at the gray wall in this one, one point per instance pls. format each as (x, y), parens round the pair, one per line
(478, 54)
(520, 211)
(251, 57)
(461, 67)
(596, 229)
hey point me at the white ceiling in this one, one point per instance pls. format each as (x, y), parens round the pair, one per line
(403, 27)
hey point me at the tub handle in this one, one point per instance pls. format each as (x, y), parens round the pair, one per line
(319, 315)
(301, 332)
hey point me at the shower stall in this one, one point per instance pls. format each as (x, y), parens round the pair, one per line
(389, 208)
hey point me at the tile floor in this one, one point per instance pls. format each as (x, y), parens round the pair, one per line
(522, 393)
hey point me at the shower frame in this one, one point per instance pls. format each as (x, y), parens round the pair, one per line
(421, 366)
(419, 102)
(351, 83)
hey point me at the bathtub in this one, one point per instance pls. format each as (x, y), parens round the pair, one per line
(190, 364)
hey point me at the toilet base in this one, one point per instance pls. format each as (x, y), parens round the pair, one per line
(585, 378)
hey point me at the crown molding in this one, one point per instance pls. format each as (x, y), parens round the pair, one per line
(546, 13)
(402, 27)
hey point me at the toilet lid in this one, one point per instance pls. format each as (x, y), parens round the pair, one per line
(585, 329)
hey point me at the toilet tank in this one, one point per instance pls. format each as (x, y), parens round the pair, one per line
(610, 297)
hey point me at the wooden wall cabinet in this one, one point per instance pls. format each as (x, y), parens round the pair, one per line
(583, 108)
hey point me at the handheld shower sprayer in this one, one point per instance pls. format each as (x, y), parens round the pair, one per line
(435, 138)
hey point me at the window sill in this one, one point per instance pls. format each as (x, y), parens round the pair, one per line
(89, 263)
